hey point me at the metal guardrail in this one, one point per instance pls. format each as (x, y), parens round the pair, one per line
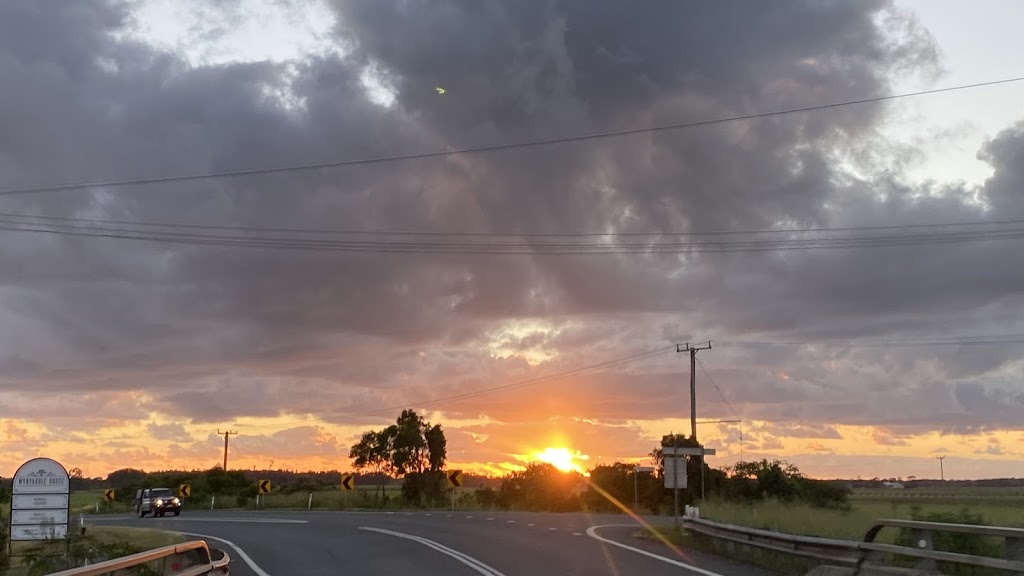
(868, 554)
(188, 559)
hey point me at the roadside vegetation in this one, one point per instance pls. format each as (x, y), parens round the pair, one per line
(97, 545)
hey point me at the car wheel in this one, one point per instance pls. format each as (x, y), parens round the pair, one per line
(141, 513)
(160, 514)
(177, 512)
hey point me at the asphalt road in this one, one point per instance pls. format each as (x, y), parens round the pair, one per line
(293, 543)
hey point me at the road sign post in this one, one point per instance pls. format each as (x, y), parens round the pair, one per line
(636, 484)
(348, 484)
(263, 488)
(184, 492)
(455, 479)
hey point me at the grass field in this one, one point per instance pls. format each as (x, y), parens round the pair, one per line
(1000, 507)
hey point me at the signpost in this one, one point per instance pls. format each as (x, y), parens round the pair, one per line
(680, 453)
(39, 503)
(455, 479)
(264, 487)
(636, 484)
(348, 484)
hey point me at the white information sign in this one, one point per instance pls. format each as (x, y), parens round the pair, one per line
(675, 472)
(39, 516)
(38, 501)
(687, 451)
(39, 506)
(39, 532)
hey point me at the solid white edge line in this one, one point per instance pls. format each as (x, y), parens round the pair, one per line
(241, 553)
(592, 532)
(473, 563)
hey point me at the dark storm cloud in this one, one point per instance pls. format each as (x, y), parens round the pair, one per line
(212, 333)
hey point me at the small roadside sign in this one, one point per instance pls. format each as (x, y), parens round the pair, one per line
(185, 490)
(455, 478)
(264, 486)
(675, 472)
(108, 494)
(687, 451)
(348, 483)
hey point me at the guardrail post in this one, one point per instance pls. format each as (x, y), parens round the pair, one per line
(1013, 548)
(922, 540)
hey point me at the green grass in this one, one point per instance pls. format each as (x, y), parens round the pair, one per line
(852, 524)
(143, 538)
(139, 538)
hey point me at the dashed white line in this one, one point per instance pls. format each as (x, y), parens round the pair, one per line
(468, 517)
(466, 559)
(448, 516)
(552, 529)
(531, 525)
(490, 518)
(429, 514)
(577, 534)
(510, 522)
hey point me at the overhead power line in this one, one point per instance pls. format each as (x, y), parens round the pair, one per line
(440, 243)
(973, 340)
(482, 149)
(715, 384)
(30, 218)
(615, 363)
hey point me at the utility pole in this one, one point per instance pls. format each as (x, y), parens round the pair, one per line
(942, 473)
(693, 401)
(226, 433)
(693, 382)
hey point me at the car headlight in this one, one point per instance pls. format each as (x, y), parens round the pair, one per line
(159, 502)
(175, 501)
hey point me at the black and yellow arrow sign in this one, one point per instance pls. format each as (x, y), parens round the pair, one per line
(185, 490)
(264, 486)
(455, 478)
(108, 494)
(348, 483)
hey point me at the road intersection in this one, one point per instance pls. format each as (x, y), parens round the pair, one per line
(425, 543)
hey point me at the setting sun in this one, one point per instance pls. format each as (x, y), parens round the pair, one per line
(563, 459)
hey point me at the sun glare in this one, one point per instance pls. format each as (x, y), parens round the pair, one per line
(562, 458)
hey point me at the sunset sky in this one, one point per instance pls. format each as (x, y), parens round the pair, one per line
(126, 352)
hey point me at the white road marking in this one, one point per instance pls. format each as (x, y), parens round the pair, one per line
(552, 529)
(429, 514)
(448, 516)
(577, 534)
(466, 559)
(490, 518)
(468, 517)
(513, 521)
(531, 525)
(241, 553)
(592, 532)
(242, 520)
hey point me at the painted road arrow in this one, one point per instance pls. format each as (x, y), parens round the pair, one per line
(348, 483)
(264, 486)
